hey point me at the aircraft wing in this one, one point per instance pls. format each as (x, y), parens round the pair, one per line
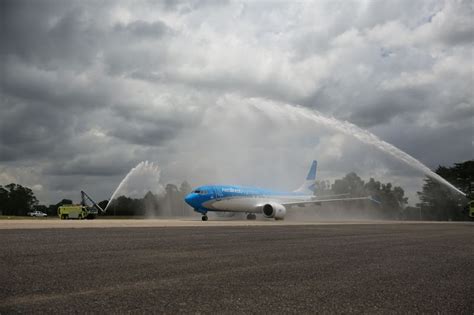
(320, 201)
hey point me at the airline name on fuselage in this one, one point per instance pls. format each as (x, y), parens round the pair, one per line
(232, 190)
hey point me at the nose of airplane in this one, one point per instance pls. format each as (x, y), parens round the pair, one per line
(189, 199)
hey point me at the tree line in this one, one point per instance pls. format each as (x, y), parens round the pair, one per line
(16, 199)
(437, 202)
(390, 201)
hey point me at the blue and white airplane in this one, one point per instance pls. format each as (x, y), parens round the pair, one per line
(253, 200)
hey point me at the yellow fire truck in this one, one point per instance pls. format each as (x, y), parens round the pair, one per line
(81, 211)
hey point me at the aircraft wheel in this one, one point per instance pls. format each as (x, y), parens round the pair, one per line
(251, 216)
(204, 218)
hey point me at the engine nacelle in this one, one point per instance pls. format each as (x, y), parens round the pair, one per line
(274, 210)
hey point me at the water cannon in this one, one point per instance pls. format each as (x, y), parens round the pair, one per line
(85, 196)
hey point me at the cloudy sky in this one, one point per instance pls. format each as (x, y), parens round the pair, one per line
(212, 91)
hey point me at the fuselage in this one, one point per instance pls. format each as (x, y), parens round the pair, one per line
(238, 198)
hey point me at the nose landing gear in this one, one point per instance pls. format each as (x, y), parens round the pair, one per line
(204, 217)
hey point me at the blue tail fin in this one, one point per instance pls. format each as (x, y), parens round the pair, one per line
(312, 171)
(309, 184)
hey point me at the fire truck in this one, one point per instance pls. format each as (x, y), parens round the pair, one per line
(81, 211)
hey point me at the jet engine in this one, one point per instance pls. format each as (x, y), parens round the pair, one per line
(274, 210)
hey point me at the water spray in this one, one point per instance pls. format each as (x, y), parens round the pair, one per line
(144, 170)
(362, 135)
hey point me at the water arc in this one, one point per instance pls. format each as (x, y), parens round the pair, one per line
(362, 135)
(148, 174)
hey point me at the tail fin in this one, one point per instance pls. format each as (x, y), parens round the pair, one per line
(309, 184)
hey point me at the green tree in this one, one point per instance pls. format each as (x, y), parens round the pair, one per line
(373, 187)
(41, 208)
(438, 202)
(392, 199)
(52, 210)
(351, 184)
(103, 204)
(185, 188)
(3, 200)
(126, 206)
(16, 199)
(461, 175)
(322, 188)
(65, 202)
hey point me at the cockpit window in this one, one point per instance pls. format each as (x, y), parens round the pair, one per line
(197, 191)
(200, 192)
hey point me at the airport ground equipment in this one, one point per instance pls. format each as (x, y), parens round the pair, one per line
(81, 211)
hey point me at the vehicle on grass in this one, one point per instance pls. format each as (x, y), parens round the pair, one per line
(81, 211)
(253, 201)
(37, 213)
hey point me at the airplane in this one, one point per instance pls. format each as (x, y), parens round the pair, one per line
(253, 200)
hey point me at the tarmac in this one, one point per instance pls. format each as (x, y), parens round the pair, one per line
(188, 266)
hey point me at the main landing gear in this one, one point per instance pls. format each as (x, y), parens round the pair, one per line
(204, 217)
(251, 216)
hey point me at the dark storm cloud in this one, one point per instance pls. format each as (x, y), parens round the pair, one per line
(92, 88)
(147, 125)
(31, 130)
(458, 112)
(389, 106)
(154, 134)
(50, 34)
(63, 90)
(429, 144)
(89, 166)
